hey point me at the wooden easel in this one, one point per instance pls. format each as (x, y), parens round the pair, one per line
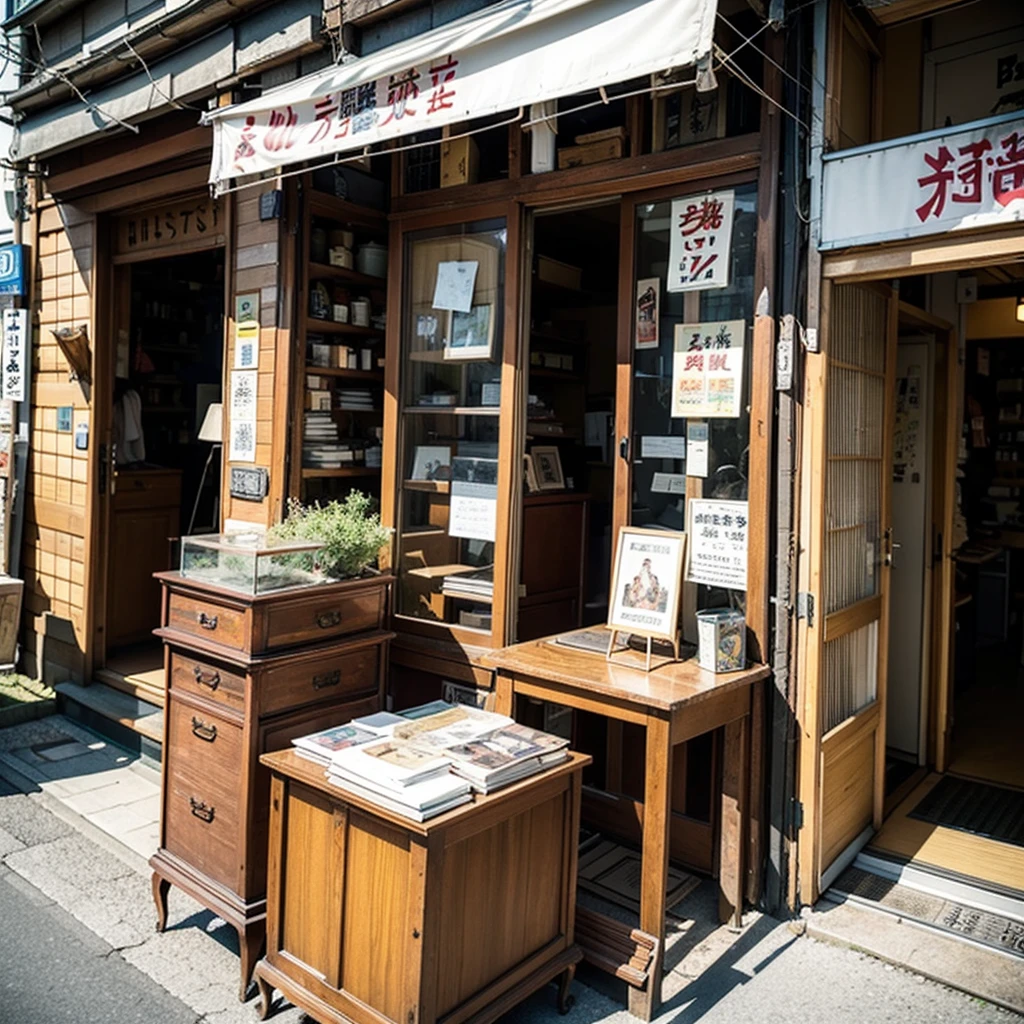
(674, 641)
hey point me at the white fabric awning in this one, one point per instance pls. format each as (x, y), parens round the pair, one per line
(500, 59)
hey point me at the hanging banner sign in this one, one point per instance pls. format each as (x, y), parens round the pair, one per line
(506, 57)
(700, 242)
(946, 180)
(15, 354)
(12, 270)
(716, 554)
(707, 369)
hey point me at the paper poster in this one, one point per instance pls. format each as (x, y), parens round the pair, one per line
(473, 506)
(907, 433)
(707, 369)
(15, 354)
(654, 447)
(242, 412)
(668, 483)
(700, 241)
(716, 554)
(648, 293)
(696, 449)
(453, 289)
(247, 331)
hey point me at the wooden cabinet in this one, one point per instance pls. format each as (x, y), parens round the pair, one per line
(144, 514)
(245, 676)
(553, 564)
(372, 917)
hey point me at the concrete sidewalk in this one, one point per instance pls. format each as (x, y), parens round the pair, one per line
(78, 819)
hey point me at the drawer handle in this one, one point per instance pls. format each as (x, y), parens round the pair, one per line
(207, 621)
(210, 679)
(200, 810)
(327, 620)
(326, 679)
(202, 730)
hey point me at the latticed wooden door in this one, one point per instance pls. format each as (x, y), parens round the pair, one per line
(849, 553)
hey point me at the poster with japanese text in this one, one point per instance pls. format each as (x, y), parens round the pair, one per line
(247, 331)
(242, 411)
(473, 506)
(717, 552)
(700, 241)
(707, 369)
(15, 354)
(648, 291)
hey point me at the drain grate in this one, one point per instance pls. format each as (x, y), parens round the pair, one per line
(980, 926)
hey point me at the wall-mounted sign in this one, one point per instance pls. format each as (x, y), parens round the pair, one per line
(15, 354)
(717, 552)
(940, 181)
(700, 242)
(707, 369)
(187, 220)
(249, 484)
(12, 270)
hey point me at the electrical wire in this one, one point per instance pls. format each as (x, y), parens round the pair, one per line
(177, 104)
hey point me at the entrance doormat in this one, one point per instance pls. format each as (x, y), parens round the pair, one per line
(975, 807)
(613, 873)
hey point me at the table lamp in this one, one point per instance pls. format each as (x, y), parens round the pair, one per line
(212, 432)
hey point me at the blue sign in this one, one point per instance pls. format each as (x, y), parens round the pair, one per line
(12, 270)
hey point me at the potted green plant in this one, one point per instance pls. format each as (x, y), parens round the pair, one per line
(349, 533)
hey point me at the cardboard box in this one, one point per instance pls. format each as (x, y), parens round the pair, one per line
(591, 153)
(602, 136)
(555, 272)
(460, 162)
(318, 401)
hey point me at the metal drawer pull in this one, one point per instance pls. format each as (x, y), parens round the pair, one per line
(210, 679)
(325, 620)
(207, 621)
(200, 810)
(326, 679)
(203, 731)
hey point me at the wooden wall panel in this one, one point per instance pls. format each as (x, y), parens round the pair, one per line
(56, 487)
(255, 260)
(847, 792)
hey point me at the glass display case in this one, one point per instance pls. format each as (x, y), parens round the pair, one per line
(250, 563)
(451, 373)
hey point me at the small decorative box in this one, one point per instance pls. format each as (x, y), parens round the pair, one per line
(722, 640)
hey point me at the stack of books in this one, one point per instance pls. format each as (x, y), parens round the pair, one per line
(473, 586)
(355, 399)
(322, 746)
(399, 778)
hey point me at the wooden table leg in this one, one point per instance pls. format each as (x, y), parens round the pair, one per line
(654, 866)
(504, 697)
(731, 873)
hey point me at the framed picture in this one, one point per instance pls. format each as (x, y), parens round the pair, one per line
(647, 582)
(547, 467)
(432, 462)
(470, 335)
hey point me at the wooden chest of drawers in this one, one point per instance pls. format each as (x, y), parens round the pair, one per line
(243, 677)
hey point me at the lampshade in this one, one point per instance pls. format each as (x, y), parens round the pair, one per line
(212, 429)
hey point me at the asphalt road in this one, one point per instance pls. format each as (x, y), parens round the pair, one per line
(54, 970)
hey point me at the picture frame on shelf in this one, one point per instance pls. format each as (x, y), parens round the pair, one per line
(547, 465)
(530, 472)
(647, 585)
(470, 335)
(431, 462)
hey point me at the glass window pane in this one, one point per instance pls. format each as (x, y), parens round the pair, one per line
(450, 395)
(660, 481)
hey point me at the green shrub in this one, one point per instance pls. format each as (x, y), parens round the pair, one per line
(349, 532)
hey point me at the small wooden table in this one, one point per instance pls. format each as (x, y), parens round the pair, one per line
(673, 703)
(373, 917)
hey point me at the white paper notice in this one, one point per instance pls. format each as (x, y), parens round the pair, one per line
(696, 449)
(707, 369)
(473, 510)
(700, 242)
(242, 414)
(15, 354)
(716, 553)
(456, 280)
(662, 447)
(668, 483)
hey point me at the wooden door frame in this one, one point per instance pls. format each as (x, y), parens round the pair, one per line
(112, 307)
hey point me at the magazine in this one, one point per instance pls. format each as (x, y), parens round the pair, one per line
(396, 806)
(459, 724)
(319, 746)
(420, 796)
(381, 723)
(390, 763)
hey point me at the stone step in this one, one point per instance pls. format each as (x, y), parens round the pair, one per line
(128, 721)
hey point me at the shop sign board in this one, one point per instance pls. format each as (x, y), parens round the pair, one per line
(707, 369)
(700, 242)
(14, 354)
(193, 219)
(12, 270)
(941, 181)
(717, 552)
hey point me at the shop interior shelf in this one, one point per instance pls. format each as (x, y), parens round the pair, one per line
(452, 410)
(314, 326)
(435, 486)
(341, 210)
(337, 371)
(318, 474)
(324, 270)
